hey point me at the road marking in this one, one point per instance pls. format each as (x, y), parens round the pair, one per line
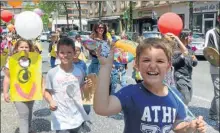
(201, 98)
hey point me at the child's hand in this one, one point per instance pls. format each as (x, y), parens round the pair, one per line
(193, 57)
(6, 97)
(88, 82)
(198, 124)
(171, 35)
(53, 105)
(106, 61)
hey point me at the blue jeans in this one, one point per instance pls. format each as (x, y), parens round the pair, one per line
(115, 78)
(94, 66)
(52, 61)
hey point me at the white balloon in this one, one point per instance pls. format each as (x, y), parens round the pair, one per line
(28, 25)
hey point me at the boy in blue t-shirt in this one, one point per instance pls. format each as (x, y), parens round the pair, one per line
(149, 106)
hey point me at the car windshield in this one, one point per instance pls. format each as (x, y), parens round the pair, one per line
(84, 33)
(72, 33)
(198, 38)
(84, 37)
(151, 35)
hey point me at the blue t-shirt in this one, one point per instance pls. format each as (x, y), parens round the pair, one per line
(145, 112)
(82, 65)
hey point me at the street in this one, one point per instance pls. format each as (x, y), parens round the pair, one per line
(202, 96)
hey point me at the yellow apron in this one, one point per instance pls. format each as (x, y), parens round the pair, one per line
(53, 51)
(82, 57)
(4, 57)
(25, 78)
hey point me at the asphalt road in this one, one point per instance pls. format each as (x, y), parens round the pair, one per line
(203, 94)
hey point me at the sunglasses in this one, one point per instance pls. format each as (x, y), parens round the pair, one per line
(100, 27)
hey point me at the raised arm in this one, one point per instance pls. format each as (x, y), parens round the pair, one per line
(103, 103)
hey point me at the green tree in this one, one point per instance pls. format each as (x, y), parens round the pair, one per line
(47, 7)
(29, 7)
(80, 14)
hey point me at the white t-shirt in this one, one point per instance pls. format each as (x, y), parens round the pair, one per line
(70, 113)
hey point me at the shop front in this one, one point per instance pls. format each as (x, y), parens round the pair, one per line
(182, 9)
(204, 16)
(142, 21)
(113, 22)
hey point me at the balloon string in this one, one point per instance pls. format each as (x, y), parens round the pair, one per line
(186, 107)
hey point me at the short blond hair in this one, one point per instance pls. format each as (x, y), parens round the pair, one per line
(158, 43)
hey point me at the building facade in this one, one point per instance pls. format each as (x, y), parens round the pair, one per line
(110, 13)
(205, 15)
(59, 19)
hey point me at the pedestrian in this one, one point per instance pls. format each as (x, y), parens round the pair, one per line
(118, 76)
(148, 106)
(77, 61)
(78, 43)
(52, 49)
(212, 40)
(99, 34)
(183, 62)
(114, 37)
(24, 109)
(63, 91)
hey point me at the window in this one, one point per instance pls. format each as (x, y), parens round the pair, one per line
(209, 15)
(182, 16)
(197, 22)
(84, 11)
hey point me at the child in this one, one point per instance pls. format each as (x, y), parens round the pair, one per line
(118, 75)
(24, 108)
(52, 49)
(79, 63)
(136, 74)
(150, 105)
(82, 65)
(183, 62)
(68, 114)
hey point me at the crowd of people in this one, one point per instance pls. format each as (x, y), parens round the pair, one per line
(161, 65)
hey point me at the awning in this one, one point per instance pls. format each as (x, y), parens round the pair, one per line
(104, 18)
(75, 22)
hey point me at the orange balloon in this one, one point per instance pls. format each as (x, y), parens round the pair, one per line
(11, 27)
(15, 3)
(36, 1)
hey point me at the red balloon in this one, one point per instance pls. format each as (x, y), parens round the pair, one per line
(6, 15)
(170, 23)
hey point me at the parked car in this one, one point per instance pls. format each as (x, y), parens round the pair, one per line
(151, 34)
(72, 34)
(85, 32)
(45, 36)
(198, 41)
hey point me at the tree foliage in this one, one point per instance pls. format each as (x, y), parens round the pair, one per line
(48, 7)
